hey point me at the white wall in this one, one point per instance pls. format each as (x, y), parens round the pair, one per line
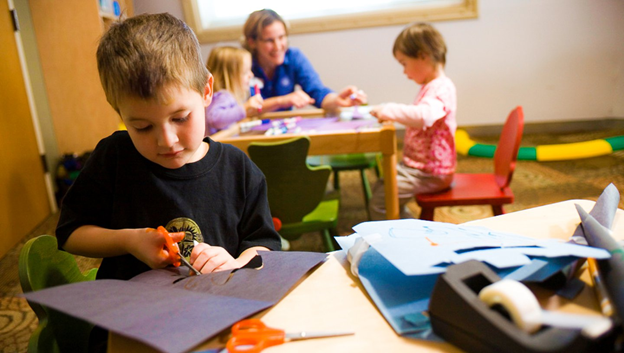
(561, 60)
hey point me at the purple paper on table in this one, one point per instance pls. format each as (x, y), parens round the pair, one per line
(246, 283)
(324, 124)
(173, 312)
(349, 125)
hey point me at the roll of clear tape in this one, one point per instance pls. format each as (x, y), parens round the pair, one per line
(527, 314)
(518, 300)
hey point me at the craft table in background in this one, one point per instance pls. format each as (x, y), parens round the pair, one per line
(331, 299)
(342, 140)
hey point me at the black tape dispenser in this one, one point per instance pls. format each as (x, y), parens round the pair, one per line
(464, 311)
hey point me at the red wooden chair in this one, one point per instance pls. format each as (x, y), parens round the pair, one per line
(483, 189)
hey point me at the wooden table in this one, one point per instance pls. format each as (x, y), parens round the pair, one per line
(377, 139)
(330, 298)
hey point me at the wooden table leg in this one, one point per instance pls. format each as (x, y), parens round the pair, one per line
(390, 184)
(389, 163)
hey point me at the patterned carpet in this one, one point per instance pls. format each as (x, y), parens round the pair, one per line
(534, 184)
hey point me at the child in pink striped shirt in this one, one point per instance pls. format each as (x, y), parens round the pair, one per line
(429, 157)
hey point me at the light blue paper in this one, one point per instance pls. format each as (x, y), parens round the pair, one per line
(346, 242)
(499, 258)
(417, 247)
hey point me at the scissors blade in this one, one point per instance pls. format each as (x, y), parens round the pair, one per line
(187, 264)
(295, 336)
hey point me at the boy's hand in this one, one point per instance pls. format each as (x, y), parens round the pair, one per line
(149, 247)
(209, 259)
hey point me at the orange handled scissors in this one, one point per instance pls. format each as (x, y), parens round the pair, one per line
(252, 336)
(174, 251)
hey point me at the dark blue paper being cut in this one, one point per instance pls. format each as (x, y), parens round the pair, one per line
(173, 312)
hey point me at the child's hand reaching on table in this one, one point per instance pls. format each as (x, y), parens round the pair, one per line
(253, 106)
(378, 112)
(209, 259)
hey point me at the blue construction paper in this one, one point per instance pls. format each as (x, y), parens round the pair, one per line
(553, 265)
(527, 270)
(173, 312)
(572, 288)
(396, 295)
(400, 297)
(437, 244)
(498, 257)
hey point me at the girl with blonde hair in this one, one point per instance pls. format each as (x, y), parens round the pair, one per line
(231, 69)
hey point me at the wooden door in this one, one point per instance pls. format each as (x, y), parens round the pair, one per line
(23, 196)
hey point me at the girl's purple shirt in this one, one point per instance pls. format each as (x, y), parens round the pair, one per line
(222, 112)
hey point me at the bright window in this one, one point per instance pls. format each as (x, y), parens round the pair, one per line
(222, 20)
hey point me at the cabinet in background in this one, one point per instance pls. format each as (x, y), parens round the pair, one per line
(67, 34)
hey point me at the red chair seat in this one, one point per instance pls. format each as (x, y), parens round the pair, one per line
(483, 189)
(463, 192)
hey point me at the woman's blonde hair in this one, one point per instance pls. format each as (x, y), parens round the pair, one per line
(226, 64)
(421, 38)
(256, 21)
(147, 55)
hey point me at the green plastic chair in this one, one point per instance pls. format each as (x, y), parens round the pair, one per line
(296, 191)
(43, 265)
(354, 161)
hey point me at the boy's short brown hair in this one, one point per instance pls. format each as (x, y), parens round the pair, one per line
(144, 55)
(421, 38)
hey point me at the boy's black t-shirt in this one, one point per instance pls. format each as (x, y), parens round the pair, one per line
(221, 200)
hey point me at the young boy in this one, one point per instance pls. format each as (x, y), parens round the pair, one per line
(162, 171)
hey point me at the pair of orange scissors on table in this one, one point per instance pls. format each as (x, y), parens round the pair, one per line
(252, 336)
(174, 251)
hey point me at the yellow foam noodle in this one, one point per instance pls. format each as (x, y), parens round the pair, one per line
(121, 126)
(463, 143)
(573, 150)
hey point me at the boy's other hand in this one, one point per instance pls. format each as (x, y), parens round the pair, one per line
(149, 247)
(207, 259)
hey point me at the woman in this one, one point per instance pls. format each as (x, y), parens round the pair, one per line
(278, 68)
